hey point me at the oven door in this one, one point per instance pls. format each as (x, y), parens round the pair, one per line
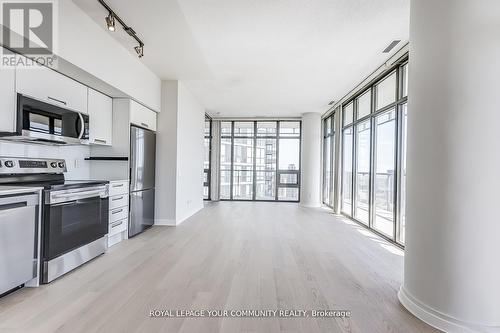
(74, 222)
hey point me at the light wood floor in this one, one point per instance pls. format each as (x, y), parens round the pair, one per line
(228, 256)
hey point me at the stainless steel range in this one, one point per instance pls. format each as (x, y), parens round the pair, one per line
(74, 213)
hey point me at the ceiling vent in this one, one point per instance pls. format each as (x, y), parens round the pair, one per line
(391, 46)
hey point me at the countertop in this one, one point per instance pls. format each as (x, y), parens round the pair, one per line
(5, 190)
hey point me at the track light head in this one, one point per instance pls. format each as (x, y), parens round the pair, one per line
(110, 22)
(139, 49)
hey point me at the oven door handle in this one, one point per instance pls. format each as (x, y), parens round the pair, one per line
(66, 203)
(55, 198)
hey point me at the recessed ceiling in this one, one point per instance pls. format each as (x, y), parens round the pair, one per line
(263, 57)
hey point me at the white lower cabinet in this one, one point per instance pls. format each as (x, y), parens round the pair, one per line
(118, 211)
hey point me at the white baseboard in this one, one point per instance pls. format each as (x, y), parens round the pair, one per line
(165, 222)
(176, 222)
(440, 320)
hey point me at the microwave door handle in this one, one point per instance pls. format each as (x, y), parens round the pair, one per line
(82, 128)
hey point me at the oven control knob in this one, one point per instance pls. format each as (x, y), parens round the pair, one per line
(53, 164)
(9, 164)
(61, 164)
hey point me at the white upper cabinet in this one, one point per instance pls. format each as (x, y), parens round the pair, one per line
(7, 100)
(100, 108)
(52, 87)
(142, 116)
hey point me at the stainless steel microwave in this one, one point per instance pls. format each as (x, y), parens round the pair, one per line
(42, 122)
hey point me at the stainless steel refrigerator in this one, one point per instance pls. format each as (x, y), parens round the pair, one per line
(142, 180)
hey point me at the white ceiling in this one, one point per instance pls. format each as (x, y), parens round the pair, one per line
(262, 57)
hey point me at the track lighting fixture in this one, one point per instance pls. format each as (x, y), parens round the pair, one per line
(110, 23)
(139, 50)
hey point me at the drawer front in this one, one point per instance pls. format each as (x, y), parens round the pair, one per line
(118, 214)
(118, 188)
(117, 227)
(118, 201)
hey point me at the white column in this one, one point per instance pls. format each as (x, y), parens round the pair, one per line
(452, 259)
(310, 190)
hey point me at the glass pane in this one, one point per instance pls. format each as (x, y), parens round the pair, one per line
(243, 169)
(243, 128)
(384, 172)
(206, 161)
(403, 177)
(347, 171)
(289, 154)
(225, 184)
(225, 128)
(265, 185)
(405, 80)
(347, 115)
(327, 171)
(328, 126)
(290, 128)
(288, 193)
(225, 154)
(364, 104)
(266, 128)
(207, 127)
(363, 135)
(266, 154)
(289, 178)
(225, 168)
(386, 91)
(58, 126)
(39, 123)
(242, 184)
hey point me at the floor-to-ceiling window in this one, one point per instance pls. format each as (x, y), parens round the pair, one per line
(347, 154)
(260, 160)
(206, 161)
(373, 175)
(328, 159)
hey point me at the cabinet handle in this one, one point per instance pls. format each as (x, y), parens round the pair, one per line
(118, 185)
(116, 224)
(56, 100)
(117, 211)
(145, 125)
(114, 199)
(100, 140)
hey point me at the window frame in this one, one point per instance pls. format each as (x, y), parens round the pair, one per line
(397, 105)
(277, 172)
(208, 171)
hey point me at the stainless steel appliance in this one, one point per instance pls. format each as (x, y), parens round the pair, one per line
(18, 238)
(142, 180)
(42, 122)
(74, 213)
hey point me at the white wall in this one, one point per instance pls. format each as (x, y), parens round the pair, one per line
(452, 266)
(166, 156)
(310, 187)
(86, 45)
(190, 154)
(77, 167)
(179, 155)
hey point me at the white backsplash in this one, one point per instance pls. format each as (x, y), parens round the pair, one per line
(78, 168)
